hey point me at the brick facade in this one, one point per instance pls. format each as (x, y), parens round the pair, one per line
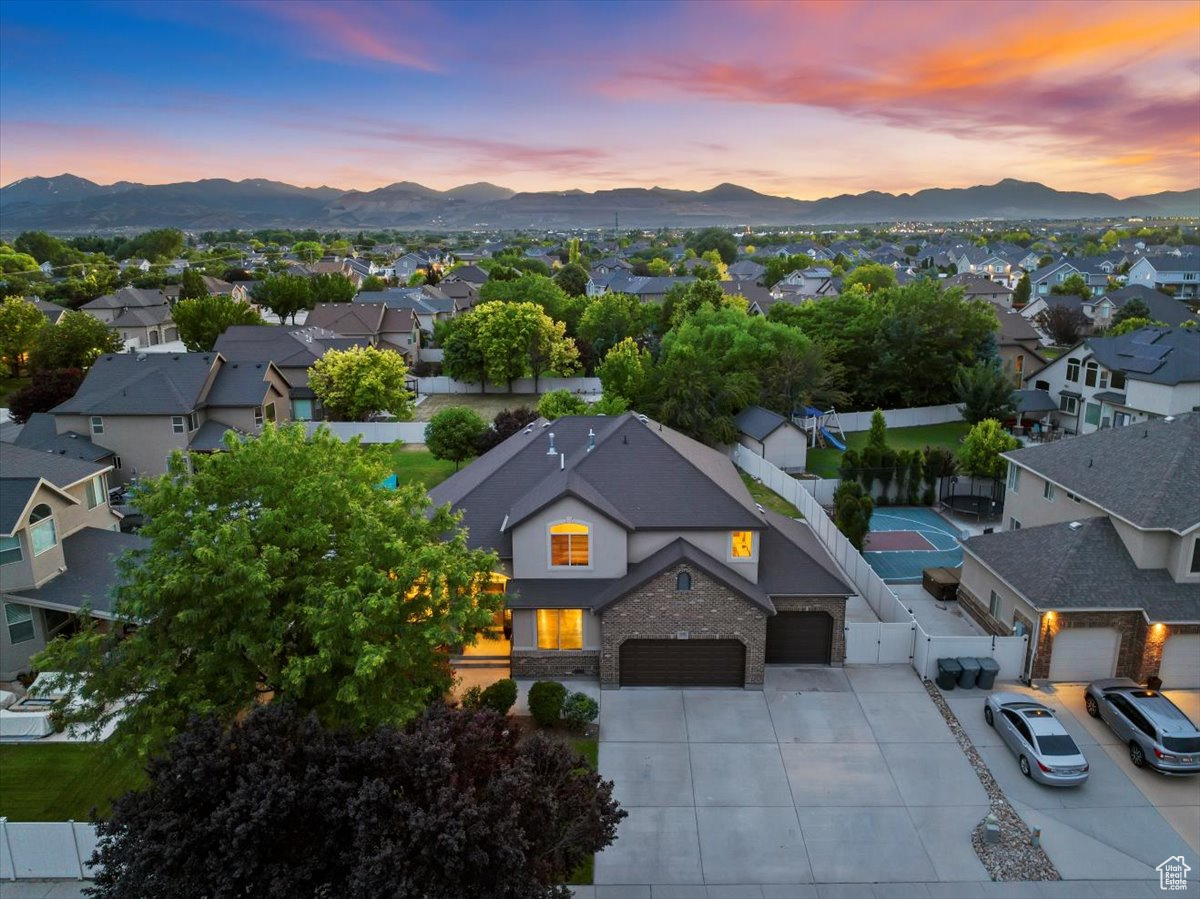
(978, 610)
(709, 611)
(834, 606)
(1152, 647)
(554, 663)
(1131, 626)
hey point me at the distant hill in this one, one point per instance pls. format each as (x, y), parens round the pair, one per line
(69, 203)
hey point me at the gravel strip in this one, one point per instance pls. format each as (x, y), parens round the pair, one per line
(1014, 857)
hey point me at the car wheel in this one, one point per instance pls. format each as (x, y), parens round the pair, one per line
(987, 716)
(1025, 767)
(1136, 755)
(1091, 705)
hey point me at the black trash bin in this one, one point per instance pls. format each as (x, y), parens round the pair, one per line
(948, 671)
(969, 673)
(988, 669)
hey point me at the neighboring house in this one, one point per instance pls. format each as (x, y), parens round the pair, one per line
(746, 270)
(1097, 311)
(779, 440)
(467, 274)
(427, 304)
(144, 406)
(40, 433)
(58, 540)
(645, 288)
(1100, 559)
(608, 265)
(292, 350)
(1019, 345)
(981, 261)
(1042, 281)
(385, 328)
(142, 317)
(52, 311)
(1114, 381)
(1179, 275)
(809, 283)
(637, 554)
(1165, 309)
(982, 289)
(409, 264)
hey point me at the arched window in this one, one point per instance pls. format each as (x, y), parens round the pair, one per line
(41, 529)
(683, 581)
(570, 544)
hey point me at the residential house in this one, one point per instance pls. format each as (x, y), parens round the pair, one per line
(1042, 281)
(1178, 274)
(976, 288)
(428, 304)
(1097, 312)
(647, 289)
(637, 554)
(292, 351)
(777, 439)
(606, 266)
(143, 406)
(758, 299)
(409, 264)
(141, 316)
(52, 311)
(1019, 345)
(1100, 560)
(467, 274)
(383, 327)
(41, 434)
(980, 261)
(1115, 381)
(747, 270)
(809, 283)
(1165, 309)
(58, 541)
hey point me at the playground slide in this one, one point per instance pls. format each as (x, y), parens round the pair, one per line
(832, 440)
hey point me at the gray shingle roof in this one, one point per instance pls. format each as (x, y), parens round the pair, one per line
(653, 478)
(239, 384)
(141, 384)
(759, 423)
(288, 348)
(14, 497)
(1033, 401)
(128, 296)
(210, 436)
(39, 434)
(792, 561)
(1163, 308)
(1158, 355)
(142, 317)
(1146, 473)
(90, 555)
(1083, 565)
(21, 471)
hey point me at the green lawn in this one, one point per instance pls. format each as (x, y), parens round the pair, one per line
(1052, 352)
(9, 386)
(769, 499)
(824, 462)
(589, 748)
(61, 781)
(415, 463)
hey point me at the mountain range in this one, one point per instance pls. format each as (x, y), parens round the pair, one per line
(68, 203)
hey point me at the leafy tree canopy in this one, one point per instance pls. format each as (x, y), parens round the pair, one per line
(361, 381)
(282, 568)
(454, 433)
(284, 294)
(74, 342)
(985, 391)
(20, 325)
(612, 317)
(558, 403)
(203, 320)
(45, 390)
(330, 287)
(980, 456)
(871, 276)
(715, 239)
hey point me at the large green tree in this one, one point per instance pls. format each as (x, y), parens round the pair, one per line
(20, 324)
(717, 239)
(871, 276)
(519, 338)
(979, 455)
(74, 342)
(985, 391)
(572, 278)
(361, 381)
(1022, 293)
(688, 391)
(462, 351)
(454, 434)
(1073, 285)
(203, 320)
(612, 317)
(556, 302)
(191, 285)
(284, 294)
(624, 371)
(332, 288)
(280, 569)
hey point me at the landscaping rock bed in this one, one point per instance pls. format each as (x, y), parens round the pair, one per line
(1013, 856)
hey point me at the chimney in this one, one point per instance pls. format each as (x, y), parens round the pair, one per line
(591, 440)
(552, 451)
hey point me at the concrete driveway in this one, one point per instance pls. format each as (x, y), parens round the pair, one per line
(1120, 824)
(827, 776)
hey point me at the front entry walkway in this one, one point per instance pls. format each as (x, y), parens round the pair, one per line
(827, 776)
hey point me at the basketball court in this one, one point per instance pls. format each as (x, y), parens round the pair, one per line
(904, 540)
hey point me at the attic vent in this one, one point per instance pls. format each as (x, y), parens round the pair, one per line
(1075, 525)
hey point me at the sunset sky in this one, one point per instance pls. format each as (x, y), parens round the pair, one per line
(805, 99)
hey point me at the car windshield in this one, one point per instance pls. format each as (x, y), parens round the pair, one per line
(1182, 744)
(1057, 744)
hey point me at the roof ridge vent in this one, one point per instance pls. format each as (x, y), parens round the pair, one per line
(552, 451)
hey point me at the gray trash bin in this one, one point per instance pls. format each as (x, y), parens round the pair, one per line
(988, 669)
(948, 672)
(970, 671)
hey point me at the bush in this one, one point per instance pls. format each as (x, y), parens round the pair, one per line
(472, 698)
(579, 710)
(546, 701)
(500, 696)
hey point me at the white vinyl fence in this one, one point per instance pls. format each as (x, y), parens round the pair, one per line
(374, 431)
(901, 418)
(49, 850)
(520, 385)
(897, 636)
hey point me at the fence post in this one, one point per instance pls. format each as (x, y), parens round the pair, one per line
(8, 845)
(75, 843)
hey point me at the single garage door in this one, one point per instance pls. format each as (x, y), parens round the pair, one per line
(799, 638)
(683, 663)
(1180, 668)
(1081, 654)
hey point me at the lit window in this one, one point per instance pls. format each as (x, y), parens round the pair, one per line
(10, 550)
(560, 628)
(20, 622)
(1048, 492)
(569, 544)
(97, 425)
(741, 544)
(42, 534)
(177, 425)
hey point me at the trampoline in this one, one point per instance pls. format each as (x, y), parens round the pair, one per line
(905, 540)
(967, 504)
